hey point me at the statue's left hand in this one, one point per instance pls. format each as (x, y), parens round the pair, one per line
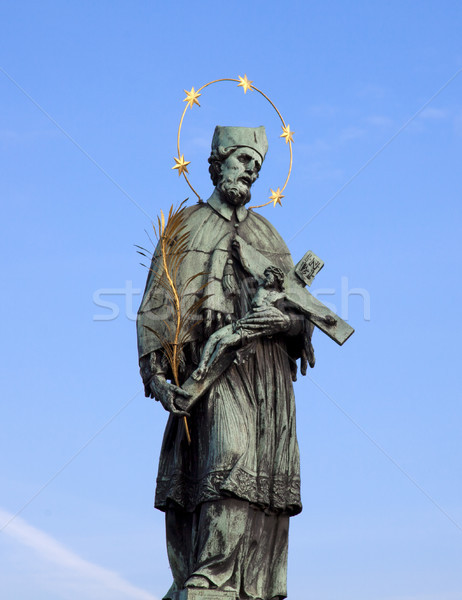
(266, 319)
(166, 393)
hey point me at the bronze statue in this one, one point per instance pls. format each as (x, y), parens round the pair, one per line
(228, 495)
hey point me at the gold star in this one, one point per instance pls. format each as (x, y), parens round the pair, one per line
(181, 164)
(276, 197)
(287, 134)
(191, 97)
(245, 83)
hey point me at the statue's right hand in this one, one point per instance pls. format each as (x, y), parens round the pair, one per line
(167, 393)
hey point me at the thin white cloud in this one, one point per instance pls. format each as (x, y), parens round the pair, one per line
(350, 133)
(200, 142)
(434, 113)
(91, 581)
(9, 136)
(379, 121)
(322, 110)
(458, 123)
(372, 91)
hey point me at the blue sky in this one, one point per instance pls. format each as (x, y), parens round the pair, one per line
(90, 99)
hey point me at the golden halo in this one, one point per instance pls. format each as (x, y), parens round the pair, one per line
(191, 99)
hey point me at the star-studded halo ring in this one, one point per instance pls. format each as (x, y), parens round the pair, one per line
(192, 98)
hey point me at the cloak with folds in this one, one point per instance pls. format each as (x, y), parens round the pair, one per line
(210, 239)
(243, 430)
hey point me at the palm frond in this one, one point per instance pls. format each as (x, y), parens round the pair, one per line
(173, 240)
(149, 238)
(194, 308)
(187, 283)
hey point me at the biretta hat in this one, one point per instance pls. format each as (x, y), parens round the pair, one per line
(225, 138)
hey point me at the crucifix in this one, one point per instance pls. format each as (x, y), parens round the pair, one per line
(296, 296)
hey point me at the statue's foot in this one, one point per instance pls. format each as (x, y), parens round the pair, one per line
(197, 581)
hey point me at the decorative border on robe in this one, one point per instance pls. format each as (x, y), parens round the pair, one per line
(277, 493)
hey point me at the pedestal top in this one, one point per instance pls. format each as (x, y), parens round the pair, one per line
(202, 594)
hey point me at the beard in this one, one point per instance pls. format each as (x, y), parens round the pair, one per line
(235, 190)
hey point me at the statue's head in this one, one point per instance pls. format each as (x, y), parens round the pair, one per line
(274, 278)
(237, 156)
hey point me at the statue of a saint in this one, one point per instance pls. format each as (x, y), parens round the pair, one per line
(228, 495)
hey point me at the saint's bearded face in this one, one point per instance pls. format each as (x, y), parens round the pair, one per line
(238, 173)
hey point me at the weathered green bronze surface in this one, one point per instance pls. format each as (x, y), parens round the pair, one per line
(198, 594)
(228, 495)
(308, 267)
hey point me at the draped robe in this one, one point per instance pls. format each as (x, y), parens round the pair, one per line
(244, 446)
